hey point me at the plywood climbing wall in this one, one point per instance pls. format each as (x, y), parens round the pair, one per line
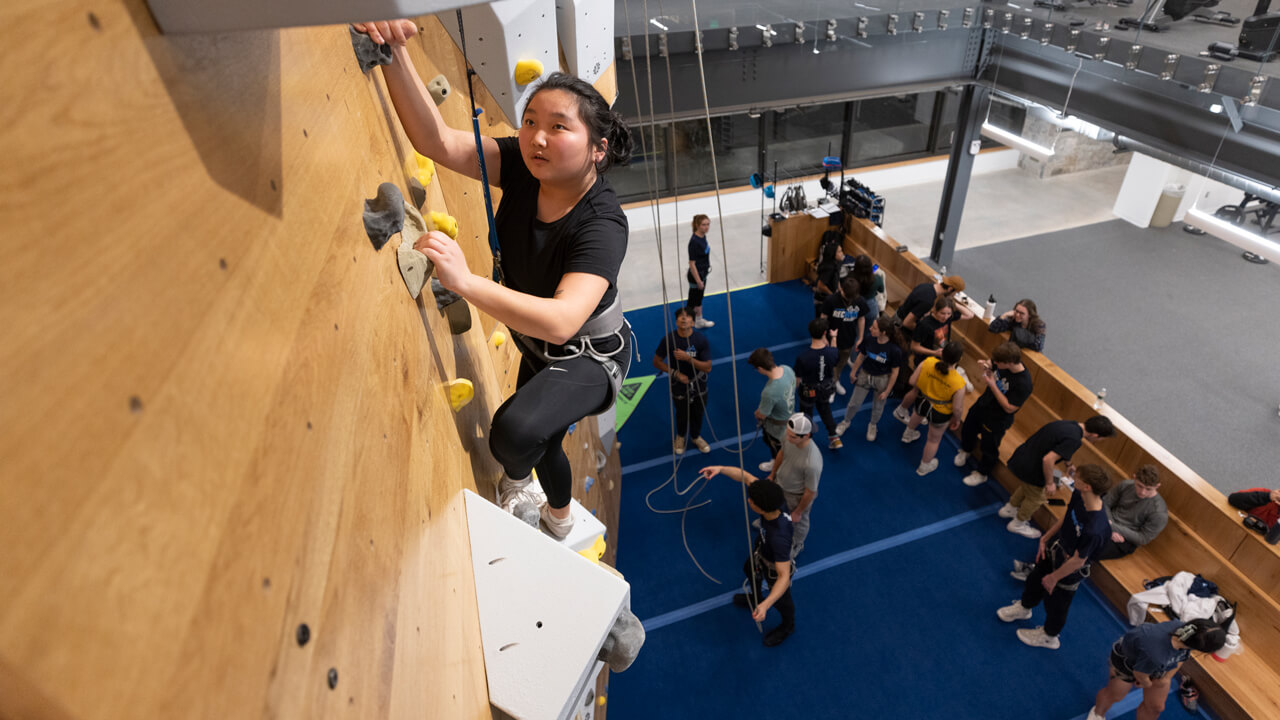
(221, 415)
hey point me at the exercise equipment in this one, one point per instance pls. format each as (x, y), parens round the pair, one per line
(1260, 36)
(1160, 14)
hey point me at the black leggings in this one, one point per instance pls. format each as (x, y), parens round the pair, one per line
(528, 430)
(695, 292)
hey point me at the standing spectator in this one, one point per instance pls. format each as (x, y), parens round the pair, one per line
(1033, 463)
(1137, 513)
(699, 268)
(1263, 504)
(1008, 387)
(815, 374)
(941, 389)
(1024, 325)
(690, 352)
(1149, 656)
(777, 401)
(870, 285)
(875, 369)
(923, 296)
(830, 260)
(930, 334)
(798, 469)
(1061, 565)
(771, 554)
(846, 311)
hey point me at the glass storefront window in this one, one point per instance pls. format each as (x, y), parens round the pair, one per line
(736, 139)
(891, 126)
(648, 168)
(801, 137)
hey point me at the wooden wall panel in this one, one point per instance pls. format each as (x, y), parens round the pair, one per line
(221, 415)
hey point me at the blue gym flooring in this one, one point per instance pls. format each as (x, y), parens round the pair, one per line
(896, 591)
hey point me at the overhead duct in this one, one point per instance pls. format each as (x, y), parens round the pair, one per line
(1240, 182)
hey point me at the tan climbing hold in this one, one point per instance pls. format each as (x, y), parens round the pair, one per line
(444, 222)
(420, 168)
(527, 71)
(460, 393)
(415, 267)
(439, 89)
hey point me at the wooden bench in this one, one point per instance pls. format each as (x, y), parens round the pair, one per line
(1204, 533)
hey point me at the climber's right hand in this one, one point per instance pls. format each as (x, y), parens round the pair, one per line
(388, 32)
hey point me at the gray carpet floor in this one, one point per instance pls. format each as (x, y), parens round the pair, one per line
(1183, 333)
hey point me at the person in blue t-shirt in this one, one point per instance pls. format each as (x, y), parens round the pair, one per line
(770, 558)
(699, 268)
(1062, 564)
(875, 370)
(685, 355)
(1149, 656)
(816, 377)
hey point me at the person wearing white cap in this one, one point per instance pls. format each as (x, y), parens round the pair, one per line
(797, 469)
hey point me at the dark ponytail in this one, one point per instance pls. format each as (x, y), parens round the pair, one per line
(951, 354)
(603, 124)
(889, 327)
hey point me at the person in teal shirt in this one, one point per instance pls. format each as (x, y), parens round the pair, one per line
(777, 401)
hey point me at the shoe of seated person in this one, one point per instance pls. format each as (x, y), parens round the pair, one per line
(774, 637)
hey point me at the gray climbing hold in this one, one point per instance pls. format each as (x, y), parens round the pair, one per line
(415, 267)
(439, 88)
(368, 53)
(454, 308)
(623, 645)
(527, 512)
(384, 214)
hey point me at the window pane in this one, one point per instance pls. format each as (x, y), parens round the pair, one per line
(737, 143)
(949, 119)
(630, 182)
(801, 137)
(891, 126)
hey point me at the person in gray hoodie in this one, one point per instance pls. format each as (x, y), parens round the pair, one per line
(1137, 513)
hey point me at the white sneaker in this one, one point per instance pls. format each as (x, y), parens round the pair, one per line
(1037, 638)
(766, 466)
(1094, 714)
(701, 323)
(1011, 613)
(555, 527)
(975, 478)
(1021, 570)
(1022, 528)
(522, 498)
(927, 467)
(960, 459)
(702, 445)
(678, 447)
(1008, 511)
(910, 435)
(844, 425)
(902, 413)
(871, 433)
(840, 388)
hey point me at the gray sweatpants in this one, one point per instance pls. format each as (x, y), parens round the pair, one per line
(865, 383)
(800, 528)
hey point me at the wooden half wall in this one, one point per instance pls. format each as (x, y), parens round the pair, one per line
(221, 415)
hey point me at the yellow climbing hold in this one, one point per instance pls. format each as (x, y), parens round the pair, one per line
(460, 393)
(498, 338)
(527, 71)
(596, 551)
(420, 168)
(443, 222)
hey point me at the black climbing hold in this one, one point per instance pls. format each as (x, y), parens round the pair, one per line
(453, 306)
(222, 263)
(308, 424)
(369, 53)
(384, 214)
(273, 184)
(266, 583)
(304, 133)
(304, 635)
(333, 678)
(94, 23)
(135, 404)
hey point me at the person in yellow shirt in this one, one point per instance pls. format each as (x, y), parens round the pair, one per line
(941, 394)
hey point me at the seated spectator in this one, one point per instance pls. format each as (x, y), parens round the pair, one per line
(923, 296)
(1263, 504)
(1137, 513)
(1023, 324)
(870, 284)
(830, 259)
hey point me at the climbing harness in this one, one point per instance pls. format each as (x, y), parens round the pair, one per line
(494, 247)
(608, 323)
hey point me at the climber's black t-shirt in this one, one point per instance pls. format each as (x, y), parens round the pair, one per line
(590, 238)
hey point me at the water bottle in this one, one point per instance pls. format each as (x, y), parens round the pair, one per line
(1102, 398)
(991, 308)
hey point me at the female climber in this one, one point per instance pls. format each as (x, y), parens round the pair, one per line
(699, 267)
(562, 237)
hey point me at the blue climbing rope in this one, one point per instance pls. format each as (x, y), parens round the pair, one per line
(494, 247)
